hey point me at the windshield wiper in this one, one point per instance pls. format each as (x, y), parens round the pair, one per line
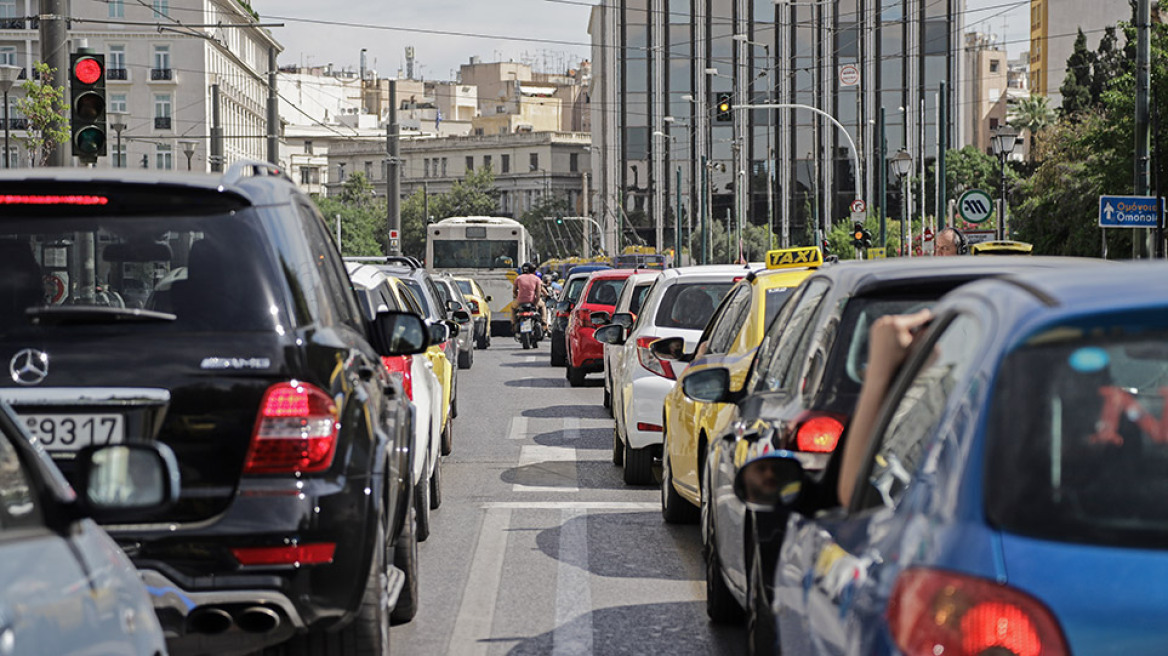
(58, 314)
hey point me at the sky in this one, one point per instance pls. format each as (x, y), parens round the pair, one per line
(447, 33)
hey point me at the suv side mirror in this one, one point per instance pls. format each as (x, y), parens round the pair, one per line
(123, 482)
(598, 319)
(460, 316)
(452, 305)
(670, 348)
(709, 385)
(770, 481)
(564, 306)
(438, 332)
(488, 298)
(625, 319)
(399, 333)
(452, 327)
(611, 334)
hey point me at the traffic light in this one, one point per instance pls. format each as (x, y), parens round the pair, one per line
(867, 238)
(559, 220)
(826, 247)
(858, 235)
(87, 115)
(724, 109)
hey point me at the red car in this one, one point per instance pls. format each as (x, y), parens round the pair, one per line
(585, 354)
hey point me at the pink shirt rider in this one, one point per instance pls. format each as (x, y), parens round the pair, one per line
(527, 287)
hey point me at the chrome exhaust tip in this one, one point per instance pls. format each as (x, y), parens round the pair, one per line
(258, 619)
(209, 621)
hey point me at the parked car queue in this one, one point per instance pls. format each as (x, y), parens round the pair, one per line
(769, 395)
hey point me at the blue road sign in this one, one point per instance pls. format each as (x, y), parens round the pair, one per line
(1128, 212)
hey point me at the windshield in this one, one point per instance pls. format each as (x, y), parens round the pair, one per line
(464, 285)
(689, 306)
(207, 271)
(605, 291)
(476, 254)
(1077, 439)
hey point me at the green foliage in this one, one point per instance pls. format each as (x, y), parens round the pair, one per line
(754, 244)
(1109, 64)
(1032, 114)
(552, 240)
(1076, 88)
(47, 112)
(363, 216)
(473, 196)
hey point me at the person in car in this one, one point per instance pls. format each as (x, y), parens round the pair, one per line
(948, 242)
(527, 288)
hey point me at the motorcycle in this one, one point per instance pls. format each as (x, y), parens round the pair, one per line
(529, 327)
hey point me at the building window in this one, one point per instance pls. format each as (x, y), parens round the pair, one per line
(117, 103)
(533, 162)
(309, 175)
(369, 170)
(117, 9)
(506, 163)
(162, 111)
(426, 167)
(115, 65)
(444, 167)
(161, 8)
(163, 157)
(993, 124)
(994, 65)
(486, 161)
(573, 162)
(118, 155)
(469, 163)
(161, 70)
(8, 18)
(8, 55)
(308, 148)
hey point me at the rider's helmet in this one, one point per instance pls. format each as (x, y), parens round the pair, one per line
(528, 267)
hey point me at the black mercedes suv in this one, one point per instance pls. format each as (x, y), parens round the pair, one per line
(251, 359)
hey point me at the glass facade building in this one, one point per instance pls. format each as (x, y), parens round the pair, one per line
(665, 156)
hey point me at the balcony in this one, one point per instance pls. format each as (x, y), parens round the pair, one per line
(161, 74)
(161, 122)
(18, 124)
(117, 74)
(11, 23)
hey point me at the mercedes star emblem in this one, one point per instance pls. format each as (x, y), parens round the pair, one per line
(29, 366)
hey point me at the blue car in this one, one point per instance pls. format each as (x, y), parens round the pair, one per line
(1014, 497)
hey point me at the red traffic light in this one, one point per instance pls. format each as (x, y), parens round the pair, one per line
(87, 71)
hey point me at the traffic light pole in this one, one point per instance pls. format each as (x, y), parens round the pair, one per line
(54, 37)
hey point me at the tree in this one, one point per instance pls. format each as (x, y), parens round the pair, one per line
(475, 195)
(1032, 114)
(1109, 65)
(552, 239)
(44, 106)
(1076, 88)
(362, 216)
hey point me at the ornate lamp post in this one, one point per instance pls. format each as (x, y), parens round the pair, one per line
(901, 163)
(188, 148)
(117, 123)
(1003, 143)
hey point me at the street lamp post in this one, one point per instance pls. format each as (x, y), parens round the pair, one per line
(1003, 144)
(901, 163)
(117, 123)
(8, 77)
(188, 148)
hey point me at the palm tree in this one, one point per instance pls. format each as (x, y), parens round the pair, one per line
(1032, 114)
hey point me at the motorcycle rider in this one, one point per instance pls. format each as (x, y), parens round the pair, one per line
(527, 288)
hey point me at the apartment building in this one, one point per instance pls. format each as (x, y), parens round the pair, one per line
(1054, 24)
(986, 79)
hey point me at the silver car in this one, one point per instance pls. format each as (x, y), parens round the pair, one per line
(454, 301)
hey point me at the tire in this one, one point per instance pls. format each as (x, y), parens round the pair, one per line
(422, 507)
(638, 466)
(483, 339)
(675, 509)
(618, 449)
(454, 406)
(761, 633)
(721, 606)
(405, 558)
(525, 340)
(558, 359)
(448, 437)
(465, 359)
(607, 395)
(436, 485)
(575, 376)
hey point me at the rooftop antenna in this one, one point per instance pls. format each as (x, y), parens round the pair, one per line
(410, 62)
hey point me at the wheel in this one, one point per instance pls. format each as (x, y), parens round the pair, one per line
(638, 465)
(448, 436)
(675, 509)
(405, 558)
(618, 449)
(483, 339)
(465, 359)
(422, 506)
(761, 634)
(525, 340)
(436, 485)
(607, 395)
(721, 606)
(454, 406)
(558, 359)
(575, 375)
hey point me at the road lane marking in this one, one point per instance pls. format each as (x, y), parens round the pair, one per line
(476, 613)
(615, 506)
(518, 428)
(573, 633)
(555, 462)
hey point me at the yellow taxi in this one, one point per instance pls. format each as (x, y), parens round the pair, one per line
(1001, 247)
(729, 340)
(480, 310)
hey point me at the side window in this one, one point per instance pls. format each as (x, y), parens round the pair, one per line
(411, 301)
(794, 333)
(439, 298)
(334, 292)
(19, 507)
(919, 409)
(734, 312)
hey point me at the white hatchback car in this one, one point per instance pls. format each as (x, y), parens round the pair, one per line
(376, 292)
(630, 301)
(680, 303)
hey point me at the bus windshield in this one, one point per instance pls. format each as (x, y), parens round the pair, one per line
(478, 254)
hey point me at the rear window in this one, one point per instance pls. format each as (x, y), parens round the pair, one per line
(638, 299)
(1078, 445)
(690, 305)
(604, 291)
(200, 273)
(464, 285)
(850, 352)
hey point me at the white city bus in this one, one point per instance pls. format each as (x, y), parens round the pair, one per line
(489, 249)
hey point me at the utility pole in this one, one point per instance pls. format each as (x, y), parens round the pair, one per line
(1142, 122)
(54, 37)
(942, 146)
(882, 176)
(216, 132)
(392, 179)
(273, 111)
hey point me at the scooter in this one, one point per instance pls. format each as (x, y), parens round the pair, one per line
(529, 326)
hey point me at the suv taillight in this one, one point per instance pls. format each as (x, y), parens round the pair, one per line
(934, 612)
(650, 361)
(296, 431)
(400, 368)
(474, 306)
(818, 432)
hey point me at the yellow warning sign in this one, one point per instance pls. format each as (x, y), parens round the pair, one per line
(875, 253)
(804, 256)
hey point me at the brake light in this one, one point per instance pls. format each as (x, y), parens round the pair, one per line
(298, 554)
(400, 368)
(933, 612)
(650, 361)
(51, 199)
(296, 431)
(649, 428)
(818, 432)
(474, 306)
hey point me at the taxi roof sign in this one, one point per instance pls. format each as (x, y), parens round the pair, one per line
(789, 258)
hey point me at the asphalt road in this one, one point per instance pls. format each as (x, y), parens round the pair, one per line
(539, 547)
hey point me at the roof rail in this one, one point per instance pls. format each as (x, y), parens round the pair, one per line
(364, 258)
(250, 168)
(412, 263)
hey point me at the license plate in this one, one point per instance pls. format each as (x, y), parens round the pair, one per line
(525, 325)
(73, 432)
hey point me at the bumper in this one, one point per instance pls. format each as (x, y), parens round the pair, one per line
(586, 352)
(645, 405)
